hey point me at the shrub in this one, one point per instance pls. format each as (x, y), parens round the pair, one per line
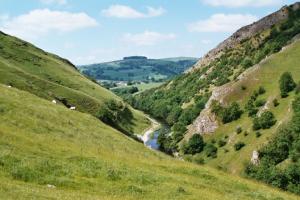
(243, 87)
(239, 145)
(265, 121)
(198, 159)
(275, 103)
(261, 90)
(257, 134)
(286, 84)
(260, 102)
(246, 133)
(239, 130)
(246, 63)
(211, 150)
(298, 88)
(194, 145)
(221, 143)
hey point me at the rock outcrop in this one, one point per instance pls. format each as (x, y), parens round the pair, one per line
(255, 158)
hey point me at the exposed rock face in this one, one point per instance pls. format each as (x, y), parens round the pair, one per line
(244, 33)
(206, 122)
(255, 158)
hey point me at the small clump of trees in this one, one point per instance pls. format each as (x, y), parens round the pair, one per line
(286, 84)
(265, 121)
(227, 114)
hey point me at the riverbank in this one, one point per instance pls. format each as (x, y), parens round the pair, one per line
(150, 136)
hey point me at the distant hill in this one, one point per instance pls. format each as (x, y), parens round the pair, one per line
(138, 68)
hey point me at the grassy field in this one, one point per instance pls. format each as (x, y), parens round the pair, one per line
(26, 67)
(143, 86)
(44, 143)
(267, 75)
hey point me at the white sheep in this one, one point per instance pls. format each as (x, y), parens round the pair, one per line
(72, 108)
(54, 101)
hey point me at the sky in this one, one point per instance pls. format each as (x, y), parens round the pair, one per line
(92, 31)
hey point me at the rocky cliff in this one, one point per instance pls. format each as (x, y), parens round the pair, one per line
(246, 32)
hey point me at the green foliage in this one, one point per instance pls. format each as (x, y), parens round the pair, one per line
(286, 144)
(194, 145)
(260, 102)
(275, 102)
(239, 130)
(227, 114)
(211, 150)
(286, 83)
(261, 90)
(239, 145)
(222, 143)
(257, 134)
(265, 121)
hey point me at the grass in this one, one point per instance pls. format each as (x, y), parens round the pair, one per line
(143, 86)
(43, 143)
(267, 75)
(28, 68)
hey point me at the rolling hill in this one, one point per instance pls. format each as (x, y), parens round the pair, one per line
(48, 76)
(51, 152)
(138, 68)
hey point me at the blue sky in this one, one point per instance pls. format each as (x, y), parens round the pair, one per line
(90, 31)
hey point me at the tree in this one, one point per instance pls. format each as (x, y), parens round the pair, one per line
(194, 145)
(286, 84)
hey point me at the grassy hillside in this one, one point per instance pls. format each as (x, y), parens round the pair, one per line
(43, 143)
(138, 69)
(267, 74)
(26, 67)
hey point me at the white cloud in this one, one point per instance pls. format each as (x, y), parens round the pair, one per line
(222, 23)
(59, 2)
(243, 3)
(147, 38)
(122, 11)
(37, 23)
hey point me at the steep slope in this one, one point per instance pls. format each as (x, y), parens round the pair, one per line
(266, 74)
(51, 152)
(138, 68)
(26, 67)
(180, 101)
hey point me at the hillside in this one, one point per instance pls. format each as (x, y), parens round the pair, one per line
(228, 93)
(138, 68)
(48, 76)
(51, 152)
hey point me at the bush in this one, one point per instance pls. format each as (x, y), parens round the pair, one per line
(275, 103)
(227, 114)
(239, 145)
(286, 84)
(261, 90)
(260, 102)
(222, 143)
(211, 150)
(194, 145)
(246, 133)
(257, 134)
(243, 87)
(265, 121)
(239, 130)
(198, 159)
